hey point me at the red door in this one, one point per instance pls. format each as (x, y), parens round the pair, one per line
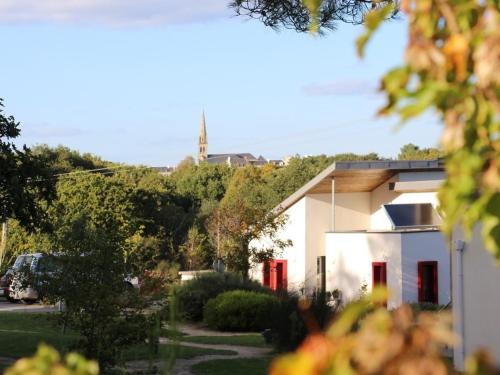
(274, 274)
(428, 282)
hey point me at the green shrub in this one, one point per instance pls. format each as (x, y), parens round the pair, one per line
(290, 330)
(241, 310)
(194, 294)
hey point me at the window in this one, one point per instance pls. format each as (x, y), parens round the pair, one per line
(412, 215)
(379, 273)
(428, 282)
(274, 274)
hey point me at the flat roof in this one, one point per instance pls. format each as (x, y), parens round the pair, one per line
(358, 176)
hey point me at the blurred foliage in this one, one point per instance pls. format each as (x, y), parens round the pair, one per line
(295, 321)
(452, 65)
(47, 361)
(368, 339)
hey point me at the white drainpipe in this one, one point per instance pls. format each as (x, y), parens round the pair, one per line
(459, 247)
(332, 225)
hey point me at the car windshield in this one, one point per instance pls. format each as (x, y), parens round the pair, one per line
(22, 261)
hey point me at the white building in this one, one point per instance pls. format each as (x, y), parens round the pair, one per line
(357, 224)
(476, 298)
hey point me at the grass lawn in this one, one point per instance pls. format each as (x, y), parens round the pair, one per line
(21, 333)
(141, 352)
(241, 340)
(248, 366)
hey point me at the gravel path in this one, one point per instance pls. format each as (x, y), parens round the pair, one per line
(199, 330)
(183, 366)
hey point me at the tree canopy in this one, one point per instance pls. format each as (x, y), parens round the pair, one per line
(413, 152)
(296, 15)
(23, 177)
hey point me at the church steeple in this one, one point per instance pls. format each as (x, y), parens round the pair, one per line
(202, 141)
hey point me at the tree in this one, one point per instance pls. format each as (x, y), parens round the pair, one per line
(92, 237)
(64, 160)
(196, 250)
(202, 182)
(296, 15)
(412, 152)
(90, 277)
(23, 178)
(245, 214)
(24, 182)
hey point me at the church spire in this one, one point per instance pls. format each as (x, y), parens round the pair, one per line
(202, 141)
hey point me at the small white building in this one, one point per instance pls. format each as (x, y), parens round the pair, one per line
(357, 224)
(476, 298)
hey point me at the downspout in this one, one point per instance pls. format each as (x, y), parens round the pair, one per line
(332, 223)
(459, 247)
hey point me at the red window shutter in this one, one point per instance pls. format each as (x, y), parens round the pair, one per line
(266, 276)
(436, 289)
(419, 282)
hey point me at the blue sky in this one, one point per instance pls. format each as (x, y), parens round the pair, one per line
(129, 82)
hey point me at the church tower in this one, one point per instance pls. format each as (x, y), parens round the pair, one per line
(202, 141)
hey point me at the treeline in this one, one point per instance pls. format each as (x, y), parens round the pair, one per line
(181, 221)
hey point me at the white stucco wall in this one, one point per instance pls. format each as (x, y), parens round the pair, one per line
(294, 230)
(349, 258)
(481, 299)
(420, 247)
(318, 219)
(382, 195)
(352, 211)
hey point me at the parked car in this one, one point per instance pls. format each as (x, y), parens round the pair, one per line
(5, 282)
(31, 266)
(29, 270)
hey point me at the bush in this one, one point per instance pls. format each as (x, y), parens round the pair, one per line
(194, 294)
(290, 330)
(241, 310)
